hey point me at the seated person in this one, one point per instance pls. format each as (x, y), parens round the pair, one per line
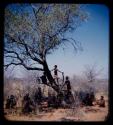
(11, 102)
(102, 102)
(87, 100)
(44, 105)
(28, 104)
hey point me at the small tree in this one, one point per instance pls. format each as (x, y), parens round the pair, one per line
(32, 31)
(91, 73)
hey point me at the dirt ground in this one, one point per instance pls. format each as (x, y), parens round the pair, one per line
(85, 113)
(89, 113)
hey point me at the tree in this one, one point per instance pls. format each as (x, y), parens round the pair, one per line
(32, 31)
(91, 73)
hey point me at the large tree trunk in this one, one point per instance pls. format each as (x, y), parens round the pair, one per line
(50, 77)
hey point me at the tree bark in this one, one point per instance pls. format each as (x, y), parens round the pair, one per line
(50, 77)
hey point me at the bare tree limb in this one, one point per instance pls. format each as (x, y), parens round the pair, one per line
(26, 48)
(22, 64)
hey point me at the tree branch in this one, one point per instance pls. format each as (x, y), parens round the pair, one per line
(28, 53)
(21, 42)
(25, 66)
(21, 62)
(35, 13)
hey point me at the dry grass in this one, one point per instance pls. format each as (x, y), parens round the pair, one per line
(89, 113)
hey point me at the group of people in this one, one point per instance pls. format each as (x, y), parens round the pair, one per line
(63, 97)
(89, 99)
(29, 104)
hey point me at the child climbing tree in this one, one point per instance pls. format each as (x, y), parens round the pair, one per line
(56, 70)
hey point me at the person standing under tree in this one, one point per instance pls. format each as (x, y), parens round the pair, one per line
(68, 94)
(67, 82)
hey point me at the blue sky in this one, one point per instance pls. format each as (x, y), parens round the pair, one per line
(94, 37)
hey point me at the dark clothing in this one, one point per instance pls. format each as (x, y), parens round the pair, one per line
(44, 79)
(52, 101)
(26, 98)
(59, 98)
(92, 96)
(102, 103)
(28, 105)
(11, 102)
(38, 96)
(8, 103)
(88, 100)
(67, 82)
(68, 96)
(55, 72)
(82, 96)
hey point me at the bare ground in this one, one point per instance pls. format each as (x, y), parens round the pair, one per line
(89, 113)
(94, 113)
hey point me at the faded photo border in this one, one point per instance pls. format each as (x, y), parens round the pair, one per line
(2, 8)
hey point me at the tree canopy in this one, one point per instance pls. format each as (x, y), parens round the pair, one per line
(32, 31)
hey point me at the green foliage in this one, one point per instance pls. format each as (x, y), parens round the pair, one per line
(34, 30)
